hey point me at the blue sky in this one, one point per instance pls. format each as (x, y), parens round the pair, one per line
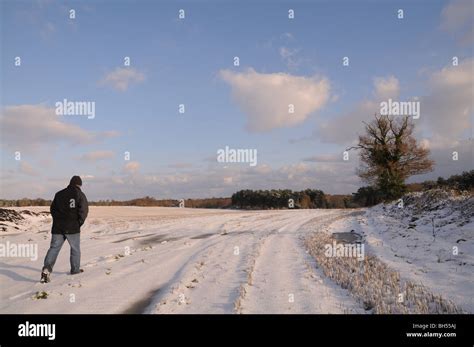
(186, 61)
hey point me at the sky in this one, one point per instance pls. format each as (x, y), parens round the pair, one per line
(138, 142)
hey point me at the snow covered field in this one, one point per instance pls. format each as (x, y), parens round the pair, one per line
(172, 260)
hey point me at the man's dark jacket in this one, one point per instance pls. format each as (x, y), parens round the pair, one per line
(69, 210)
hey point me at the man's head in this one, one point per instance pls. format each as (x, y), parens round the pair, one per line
(75, 181)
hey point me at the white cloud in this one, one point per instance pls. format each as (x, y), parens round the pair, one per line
(132, 167)
(118, 180)
(265, 98)
(87, 177)
(32, 126)
(385, 88)
(327, 176)
(447, 112)
(121, 78)
(228, 180)
(215, 181)
(454, 76)
(330, 177)
(447, 109)
(97, 155)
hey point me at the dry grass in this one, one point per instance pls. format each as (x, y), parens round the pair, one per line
(376, 285)
(41, 295)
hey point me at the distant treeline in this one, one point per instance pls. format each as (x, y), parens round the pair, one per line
(146, 201)
(267, 199)
(24, 202)
(277, 199)
(149, 201)
(285, 198)
(282, 198)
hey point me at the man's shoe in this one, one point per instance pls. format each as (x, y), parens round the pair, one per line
(77, 272)
(45, 276)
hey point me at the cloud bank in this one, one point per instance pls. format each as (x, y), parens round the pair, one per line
(266, 99)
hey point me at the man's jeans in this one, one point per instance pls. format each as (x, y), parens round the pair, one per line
(57, 241)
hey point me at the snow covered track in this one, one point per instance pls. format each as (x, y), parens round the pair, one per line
(284, 278)
(166, 260)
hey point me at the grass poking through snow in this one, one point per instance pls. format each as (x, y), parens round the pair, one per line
(379, 288)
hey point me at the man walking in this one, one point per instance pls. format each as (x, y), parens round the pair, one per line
(69, 210)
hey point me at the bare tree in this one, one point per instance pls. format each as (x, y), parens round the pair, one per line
(390, 154)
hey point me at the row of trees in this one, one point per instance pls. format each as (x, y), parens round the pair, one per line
(146, 201)
(150, 201)
(308, 198)
(281, 198)
(24, 202)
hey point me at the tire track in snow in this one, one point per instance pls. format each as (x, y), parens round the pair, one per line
(212, 281)
(284, 278)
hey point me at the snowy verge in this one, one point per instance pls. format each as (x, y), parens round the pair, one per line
(19, 219)
(427, 239)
